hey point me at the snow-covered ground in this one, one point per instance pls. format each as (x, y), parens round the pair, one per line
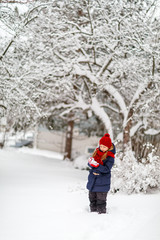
(44, 198)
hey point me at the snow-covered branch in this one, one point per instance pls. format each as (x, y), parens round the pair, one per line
(110, 107)
(104, 67)
(101, 114)
(140, 90)
(80, 31)
(118, 97)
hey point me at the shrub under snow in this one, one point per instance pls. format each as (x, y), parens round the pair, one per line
(131, 176)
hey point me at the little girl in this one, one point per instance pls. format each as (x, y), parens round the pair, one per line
(99, 178)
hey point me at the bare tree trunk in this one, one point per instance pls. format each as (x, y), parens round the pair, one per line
(3, 128)
(69, 134)
(153, 66)
(35, 136)
(126, 131)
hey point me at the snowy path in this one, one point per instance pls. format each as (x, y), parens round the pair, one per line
(44, 199)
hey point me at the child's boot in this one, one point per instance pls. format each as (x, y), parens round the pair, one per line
(101, 202)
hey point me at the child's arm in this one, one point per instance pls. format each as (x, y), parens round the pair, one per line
(107, 167)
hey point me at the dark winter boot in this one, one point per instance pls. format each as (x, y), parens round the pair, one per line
(92, 199)
(93, 209)
(101, 202)
(100, 211)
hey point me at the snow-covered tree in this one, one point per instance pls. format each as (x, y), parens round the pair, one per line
(100, 57)
(16, 92)
(89, 56)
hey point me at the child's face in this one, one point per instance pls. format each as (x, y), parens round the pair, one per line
(103, 148)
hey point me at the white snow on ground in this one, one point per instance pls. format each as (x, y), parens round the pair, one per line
(45, 153)
(43, 198)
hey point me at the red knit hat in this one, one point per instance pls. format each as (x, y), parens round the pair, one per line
(106, 140)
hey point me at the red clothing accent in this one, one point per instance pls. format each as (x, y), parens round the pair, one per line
(106, 140)
(111, 154)
(99, 155)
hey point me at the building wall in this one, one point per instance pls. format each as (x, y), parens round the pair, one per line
(55, 141)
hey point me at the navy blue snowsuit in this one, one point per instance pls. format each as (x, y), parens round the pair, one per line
(102, 181)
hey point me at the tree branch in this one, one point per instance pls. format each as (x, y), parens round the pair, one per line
(2, 106)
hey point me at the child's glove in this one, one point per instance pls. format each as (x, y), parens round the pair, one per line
(92, 162)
